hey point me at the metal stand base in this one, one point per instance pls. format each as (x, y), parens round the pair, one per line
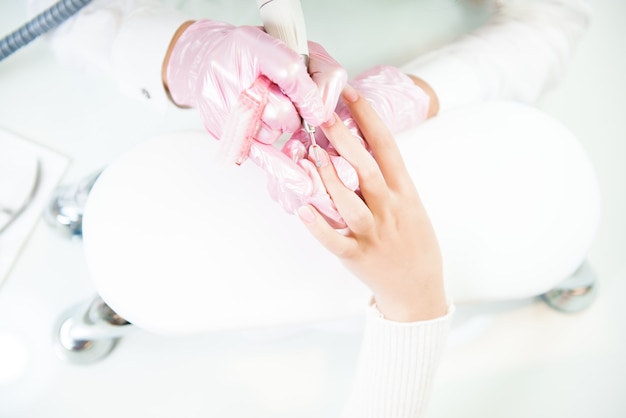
(89, 332)
(574, 294)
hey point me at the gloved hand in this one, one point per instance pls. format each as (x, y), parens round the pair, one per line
(212, 63)
(293, 180)
(245, 62)
(399, 102)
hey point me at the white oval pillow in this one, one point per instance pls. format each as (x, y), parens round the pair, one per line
(178, 244)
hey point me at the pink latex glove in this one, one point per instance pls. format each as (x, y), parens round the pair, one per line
(212, 63)
(398, 101)
(225, 70)
(293, 180)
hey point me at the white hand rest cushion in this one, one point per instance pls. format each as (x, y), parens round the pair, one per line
(178, 245)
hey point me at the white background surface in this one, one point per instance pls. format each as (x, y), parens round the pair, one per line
(513, 360)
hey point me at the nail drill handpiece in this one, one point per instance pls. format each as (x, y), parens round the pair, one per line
(284, 20)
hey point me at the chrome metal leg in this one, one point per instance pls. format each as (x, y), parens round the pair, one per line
(65, 209)
(575, 293)
(89, 332)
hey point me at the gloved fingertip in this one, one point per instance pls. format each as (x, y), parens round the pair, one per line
(266, 135)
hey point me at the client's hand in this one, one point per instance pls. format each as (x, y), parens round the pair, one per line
(390, 243)
(211, 63)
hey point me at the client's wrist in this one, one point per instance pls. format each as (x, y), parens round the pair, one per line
(422, 303)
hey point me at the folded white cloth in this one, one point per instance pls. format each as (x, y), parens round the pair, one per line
(19, 169)
(28, 175)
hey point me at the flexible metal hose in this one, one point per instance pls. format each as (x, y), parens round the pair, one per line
(40, 24)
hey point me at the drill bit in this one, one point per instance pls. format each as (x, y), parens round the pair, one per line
(311, 131)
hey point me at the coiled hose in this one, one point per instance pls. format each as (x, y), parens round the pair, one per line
(40, 24)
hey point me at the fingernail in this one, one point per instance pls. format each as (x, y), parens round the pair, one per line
(319, 156)
(330, 122)
(350, 94)
(305, 213)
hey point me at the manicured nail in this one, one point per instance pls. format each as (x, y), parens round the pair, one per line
(350, 94)
(330, 122)
(305, 213)
(319, 156)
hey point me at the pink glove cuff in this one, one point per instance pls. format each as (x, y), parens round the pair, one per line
(184, 67)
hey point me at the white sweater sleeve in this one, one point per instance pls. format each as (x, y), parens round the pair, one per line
(124, 39)
(521, 52)
(396, 367)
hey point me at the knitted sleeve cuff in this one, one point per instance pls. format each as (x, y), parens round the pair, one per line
(397, 366)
